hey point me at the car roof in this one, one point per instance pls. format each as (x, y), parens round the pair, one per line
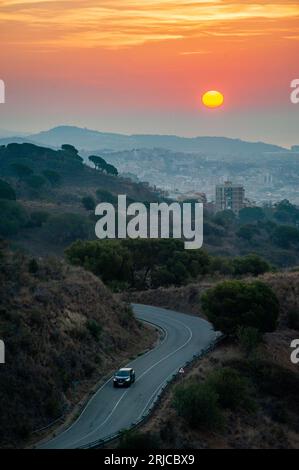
(126, 369)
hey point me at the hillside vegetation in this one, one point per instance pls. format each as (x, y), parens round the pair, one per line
(47, 197)
(63, 332)
(245, 394)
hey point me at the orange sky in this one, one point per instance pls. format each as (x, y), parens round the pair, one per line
(141, 66)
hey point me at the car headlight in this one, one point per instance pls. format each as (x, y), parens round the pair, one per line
(127, 380)
(114, 380)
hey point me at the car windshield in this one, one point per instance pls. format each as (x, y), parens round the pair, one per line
(123, 373)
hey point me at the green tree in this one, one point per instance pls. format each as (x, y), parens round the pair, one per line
(21, 171)
(71, 152)
(99, 162)
(38, 218)
(105, 196)
(108, 259)
(248, 231)
(162, 277)
(35, 181)
(53, 177)
(6, 191)
(250, 264)
(285, 212)
(224, 218)
(250, 215)
(285, 236)
(232, 304)
(66, 228)
(13, 217)
(111, 170)
(222, 265)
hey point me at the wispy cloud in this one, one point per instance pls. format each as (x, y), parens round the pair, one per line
(123, 23)
(195, 52)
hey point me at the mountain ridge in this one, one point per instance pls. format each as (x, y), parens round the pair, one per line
(95, 140)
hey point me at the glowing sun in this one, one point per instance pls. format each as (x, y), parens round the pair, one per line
(213, 99)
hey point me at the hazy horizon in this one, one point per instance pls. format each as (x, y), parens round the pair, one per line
(142, 67)
(22, 133)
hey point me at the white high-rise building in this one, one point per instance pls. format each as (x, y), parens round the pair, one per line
(229, 196)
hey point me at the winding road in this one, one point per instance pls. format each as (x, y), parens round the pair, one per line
(111, 410)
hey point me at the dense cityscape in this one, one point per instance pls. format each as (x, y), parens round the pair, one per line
(266, 178)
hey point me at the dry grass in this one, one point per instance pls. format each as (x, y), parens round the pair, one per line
(258, 430)
(63, 332)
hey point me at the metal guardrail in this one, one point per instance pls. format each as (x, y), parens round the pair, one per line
(101, 442)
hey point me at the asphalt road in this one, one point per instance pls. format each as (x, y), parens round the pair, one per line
(111, 410)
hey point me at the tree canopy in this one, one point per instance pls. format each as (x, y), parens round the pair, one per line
(233, 304)
(6, 191)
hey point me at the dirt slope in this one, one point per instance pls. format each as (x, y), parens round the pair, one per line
(63, 331)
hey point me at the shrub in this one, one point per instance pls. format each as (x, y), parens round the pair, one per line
(6, 191)
(13, 217)
(53, 177)
(38, 218)
(285, 236)
(250, 264)
(67, 228)
(251, 214)
(35, 181)
(249, 338)
(293, 319)
(233, 390)
(94, 328)
(89, 203)
(21, 171)
(276, 381)
(221, 265)
(138, 440)
(224, 218)
(232, 304)
(107, 259)
(33, 266)
(198, 405)
(106, 196)
(247, 232)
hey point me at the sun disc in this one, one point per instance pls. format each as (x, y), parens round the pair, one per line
(213, 99)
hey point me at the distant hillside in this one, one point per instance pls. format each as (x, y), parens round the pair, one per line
(18, 162)
(6, 133)
(63, 332)
(56, 194)
(15, 140)
(90, 140)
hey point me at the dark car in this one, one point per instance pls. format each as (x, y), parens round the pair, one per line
(124, 377)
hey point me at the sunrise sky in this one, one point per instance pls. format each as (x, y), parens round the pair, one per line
(142, 66)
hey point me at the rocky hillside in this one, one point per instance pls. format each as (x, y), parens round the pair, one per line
(63, 332)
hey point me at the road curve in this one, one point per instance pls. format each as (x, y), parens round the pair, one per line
(111, 410)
